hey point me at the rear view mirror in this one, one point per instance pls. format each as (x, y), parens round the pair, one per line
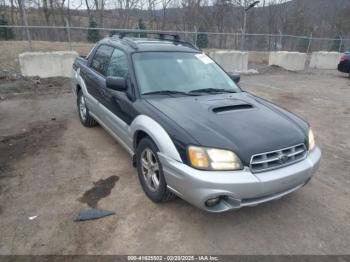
(116, 83)
(235, 77)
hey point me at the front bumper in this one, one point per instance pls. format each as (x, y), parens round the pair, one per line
(236, 188)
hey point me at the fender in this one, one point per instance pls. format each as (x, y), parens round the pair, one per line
(157, 133)
(90, 100)
(80, 81)
(74, 80)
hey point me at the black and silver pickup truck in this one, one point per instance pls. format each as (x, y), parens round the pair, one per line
(190, 129)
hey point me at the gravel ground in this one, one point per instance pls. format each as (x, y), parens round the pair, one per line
(52, 167)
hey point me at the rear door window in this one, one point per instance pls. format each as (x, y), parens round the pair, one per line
(100, 61)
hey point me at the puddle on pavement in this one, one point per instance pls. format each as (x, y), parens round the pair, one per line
(102, 188)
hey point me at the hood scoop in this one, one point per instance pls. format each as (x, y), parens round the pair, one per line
(227, 108)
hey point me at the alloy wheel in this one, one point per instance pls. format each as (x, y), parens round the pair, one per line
(82, 108)
(150, 169)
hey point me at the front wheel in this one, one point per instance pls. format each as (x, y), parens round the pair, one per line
(150, 172)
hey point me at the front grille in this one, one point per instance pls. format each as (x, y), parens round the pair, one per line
(276, 159)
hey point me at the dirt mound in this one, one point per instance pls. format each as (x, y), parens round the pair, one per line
(28, 141)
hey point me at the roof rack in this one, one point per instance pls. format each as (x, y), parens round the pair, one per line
(129, 42)
(188, 44)
(163, 36)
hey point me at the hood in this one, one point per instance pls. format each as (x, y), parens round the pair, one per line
(239, 122)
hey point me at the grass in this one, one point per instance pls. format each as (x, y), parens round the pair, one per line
(9, 51)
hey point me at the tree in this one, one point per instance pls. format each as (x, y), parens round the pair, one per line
(191, 12)
(93, 34)
(24, 18)
(301, 26)
(202, 38)
(5, 32)
(303, 44)
(141, 26)
(165, 4)
(336, 46)
(343, 21)
(222, 10)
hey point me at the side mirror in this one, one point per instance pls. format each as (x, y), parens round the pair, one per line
(116, 83)
(235, 77)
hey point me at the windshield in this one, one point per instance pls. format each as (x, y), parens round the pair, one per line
(179, 72)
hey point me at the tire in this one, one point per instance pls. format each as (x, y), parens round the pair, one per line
(147, 162)
(84, 115)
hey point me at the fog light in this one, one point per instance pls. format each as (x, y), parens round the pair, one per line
(212, 201)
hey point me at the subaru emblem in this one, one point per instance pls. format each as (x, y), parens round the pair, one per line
(282, 158)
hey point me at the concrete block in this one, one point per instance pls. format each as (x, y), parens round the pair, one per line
(47, 64)
(293, 61)
(258, 57)
(325, 60)
(231, 61)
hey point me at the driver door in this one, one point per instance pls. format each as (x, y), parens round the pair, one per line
(120, 107)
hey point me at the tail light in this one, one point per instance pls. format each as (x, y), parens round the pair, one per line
(342, 59)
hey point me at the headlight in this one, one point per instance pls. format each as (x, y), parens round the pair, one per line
(213, 159)
(311, 140)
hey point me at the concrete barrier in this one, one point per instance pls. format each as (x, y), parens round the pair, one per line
(325, 60)
(293, 61)
(258, 57)
(47, 64)
(231, 61)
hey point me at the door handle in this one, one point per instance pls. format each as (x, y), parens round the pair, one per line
(84, 74)
(87, 76)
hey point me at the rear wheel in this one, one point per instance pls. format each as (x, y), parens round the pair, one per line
(150, 172)
(84, 114)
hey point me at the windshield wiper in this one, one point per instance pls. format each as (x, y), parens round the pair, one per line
(170, 92)
(212, 90)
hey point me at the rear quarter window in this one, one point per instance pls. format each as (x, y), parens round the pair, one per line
(100, 60)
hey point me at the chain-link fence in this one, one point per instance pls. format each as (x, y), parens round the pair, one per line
(252, 42)
(19, 39)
